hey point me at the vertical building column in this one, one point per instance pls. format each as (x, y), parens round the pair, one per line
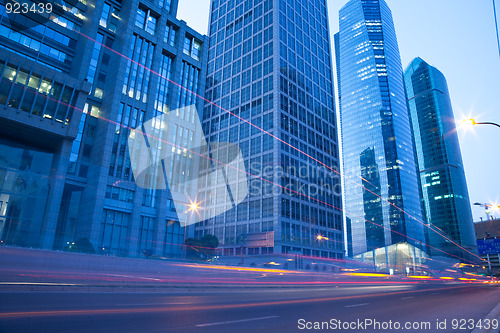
(177, 68)
(56, 181)
(161, 224)
(135, 225)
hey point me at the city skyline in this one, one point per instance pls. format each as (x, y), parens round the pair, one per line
(155, 178)
(471, 68)
(316, 90)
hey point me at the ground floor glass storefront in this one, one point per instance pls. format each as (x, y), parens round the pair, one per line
(24, 189)
(401, 258)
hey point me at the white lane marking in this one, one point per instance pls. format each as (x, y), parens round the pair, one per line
(351, 306)
(235, 321)
(407, 297)
(133, 276)
(149, 304)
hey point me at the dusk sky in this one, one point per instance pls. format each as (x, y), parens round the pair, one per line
(457, 37)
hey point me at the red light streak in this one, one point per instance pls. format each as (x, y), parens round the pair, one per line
(86, 312)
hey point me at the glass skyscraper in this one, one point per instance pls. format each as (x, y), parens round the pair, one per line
(270, 72)
(442, 172)
(381, 185)
(73, 86)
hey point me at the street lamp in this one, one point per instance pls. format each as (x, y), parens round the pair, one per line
(321, 238)
(193, 207)
(471, 122)
(487, 208)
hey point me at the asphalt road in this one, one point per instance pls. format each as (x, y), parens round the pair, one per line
(257, 310)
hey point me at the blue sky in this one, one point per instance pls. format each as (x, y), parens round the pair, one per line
(457, 37)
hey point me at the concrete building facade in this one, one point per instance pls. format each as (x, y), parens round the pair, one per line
(82, 81)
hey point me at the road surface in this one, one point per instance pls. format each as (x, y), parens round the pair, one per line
(248, 310)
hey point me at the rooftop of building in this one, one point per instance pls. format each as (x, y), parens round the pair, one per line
(487, 229)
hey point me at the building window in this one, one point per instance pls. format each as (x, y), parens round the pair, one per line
(149, 198)
(173, 238)
(94, 61)
(146, 20)
(165, 4)
(136, 81)
(40, 96)
(37, 46)
(192, 47)
(98, 93)
(109, 17)
(162, 88)
(75, 148)
(147, 234)
(114, 232)
(119, 194)
(170, 33)
(189, 77)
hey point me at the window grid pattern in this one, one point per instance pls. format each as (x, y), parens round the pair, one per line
(42, 41)
(376, 131)
(442, 174)
(241, 73)
(114, 232)
(128, 117)
(163, 87)
(170, 34)
(35, 94)
(146, 20)
(137, 78)
(147, 234)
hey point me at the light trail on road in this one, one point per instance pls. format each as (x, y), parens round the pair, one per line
(96, 312)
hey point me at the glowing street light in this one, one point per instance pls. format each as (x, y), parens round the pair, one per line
(469, 123)
(487, 208)
(193, 206)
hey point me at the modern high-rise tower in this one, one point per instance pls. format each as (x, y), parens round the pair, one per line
(381, 185)
(442, 172)
(270, 73)
(74, 84)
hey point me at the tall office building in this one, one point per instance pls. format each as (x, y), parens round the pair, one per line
(442, 172)
(73, 87)
(381, 186)
(270, 65)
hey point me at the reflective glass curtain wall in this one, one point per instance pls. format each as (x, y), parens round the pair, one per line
(270, 64)
(442, 173)
(381, 184)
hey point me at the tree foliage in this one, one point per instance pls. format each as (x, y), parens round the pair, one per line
(201, 248)
(82, 245)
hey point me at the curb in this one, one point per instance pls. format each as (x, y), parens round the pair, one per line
(494, 314)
